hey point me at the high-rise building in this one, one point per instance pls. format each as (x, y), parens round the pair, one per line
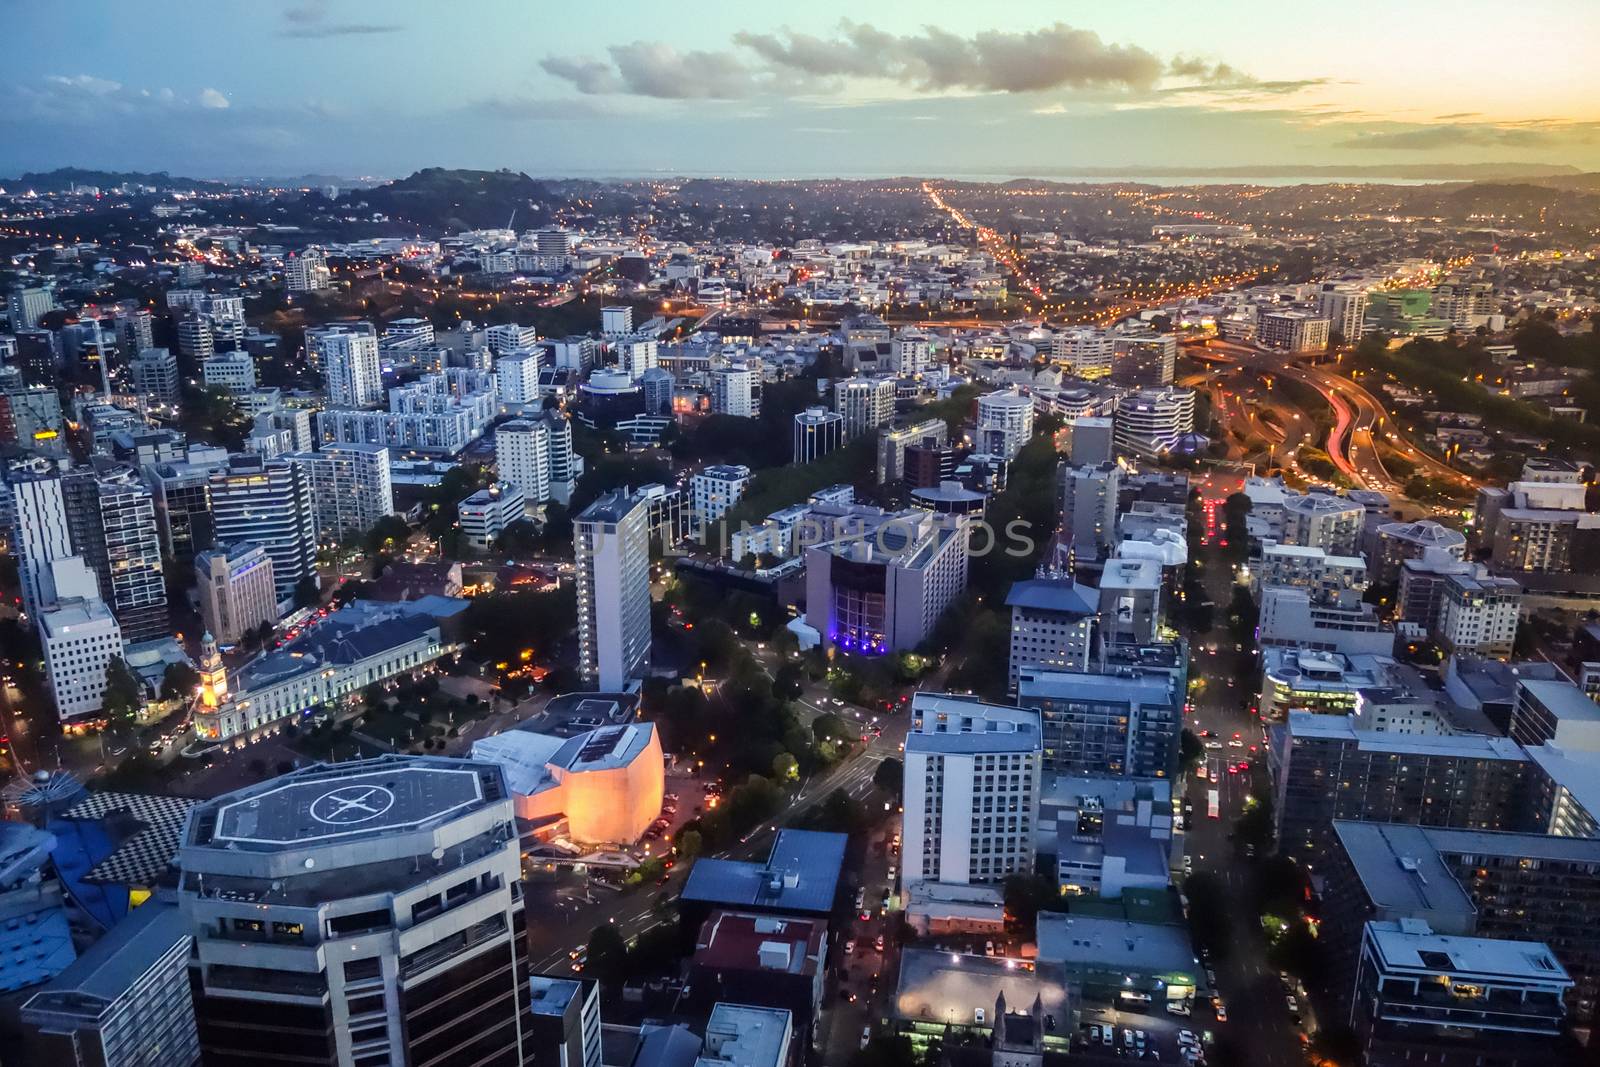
(516, 377)
(1052, 625)
(1120, 724)
(1345, 308)
(611, 539)
(565, 1022)
(1088, 352)
(733, 392)
(1151, 422)
(195, 337)
(1292, 331)
(1478, 615)
(522, 451)
(1089, 509)
(486, 514)
(1395, 542)
(929, 465)
(910, 353)
(635, 355)
(306, 271)
(1322, 520)
(364, 912)
(1005, 422)
(657, 384)
(236, 590)
(352, 369)
(232, 371)
(615, 321)
(80, 637)
(893, 442)
(509, 337)
(30, 418)
(112, 516)
(1130, 601)
(865, 403)
(135, 328)
(268, 502)
(817, 431)
(1144, 361)
(972, 774)
(716, 489)
(349, 485)
(182, 494)
(26, 306)
(39, 534)
(1092, 441)
(317, 335)
(124, 1003)
(155, 375)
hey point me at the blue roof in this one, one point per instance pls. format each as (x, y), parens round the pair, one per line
(801, 875)
(1054, 594)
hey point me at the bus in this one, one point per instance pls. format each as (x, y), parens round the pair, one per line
(1213, 804)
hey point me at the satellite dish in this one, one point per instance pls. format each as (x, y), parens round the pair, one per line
(437, 853)
(311, 861)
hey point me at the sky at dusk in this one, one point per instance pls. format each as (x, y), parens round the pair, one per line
(230, 88)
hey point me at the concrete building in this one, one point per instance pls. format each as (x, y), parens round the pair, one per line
(516, 377)
(25, 306)
(611, 538)
(883, 587)
(1345, 308)
(739, 1035)
(80, 636)
(1089, 353)
(616, 321)
(1123, 724)
(1478, 615)
(485, 514)
(438, 414)
(268, 502)
(234, 372)
(1292, 618)
(972, 775)
(1327, 683)
(236, 590)
(154, 374)
(733, 392)
(306, 271)
(817, 432)
(1293, 331)
(350, 487)
(1144, 362)
(1052, 625)
(112, 520)
(1130, 601)
(765, 961)
(865, 403)
(351, 369)
(715, 490)
(1396, 542)
(1321, 520)
(1092, 442)
(564, 1022)
(365, 909)
(1330, 579)
(605, 784)
(1552, 712)
(893, 443)
(1152, 422)
(1089, 497)
(1005, 423)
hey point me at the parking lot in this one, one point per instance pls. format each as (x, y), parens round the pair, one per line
(1160, 1033)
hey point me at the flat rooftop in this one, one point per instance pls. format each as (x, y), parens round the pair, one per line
(1409, 945)
(1562, 699)
(945, 987)
(1400, 868)
(1091, 942)
(746, 1036)
(801, 874)
(1304, 725)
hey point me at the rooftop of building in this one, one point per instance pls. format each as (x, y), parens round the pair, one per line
(1061, 595)
(1423, 532)
(1563, 700)
(742, 1035)
(1320, 503)
(1400, 868)
(735, 941)
(953, 988)
(552, 995)
(109, 967)
(1409, 945)
(1130, 573)
(1091, 942)
(531, 758)
(357, 631)
(801, 875)
(1495, 681)
(610, 507)
(1578, 772)
(1304, 725)
(1143, 689)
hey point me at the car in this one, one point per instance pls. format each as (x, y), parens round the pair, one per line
(1178, 1007)
(1211, 978)
(865, 915)
(988, 948)
(1187, 1037)
(866, 1036)
(1127, 1040)
(880, 942)
(1093, 1033)
(1139, 1038)
(575, 953)
(892, 871)
(850, 947)
(861, 898)
(1222, 1011)
(1108, 1036)
(1293, 1006)
(978, 1016)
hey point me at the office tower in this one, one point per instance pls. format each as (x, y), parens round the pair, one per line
(1321, 520)
(195, 338)
(1151, 422)
(516, 377)
(1292, 331)
(817, 431)
(306, 271)
(352, 370)
(611, 539)
(124, 1003)
(349, 485)
(1395, 542)
(1144, 361)
(733, 392)
(1091, 442)
(155, 375)
(1345, 308)
(657, 384)
(38, 357)
(365, 912)
(1478, 615)
(1130, 601)
(1324, 768)
(315, 337)
(1005, 422)
(1088, 352)
(910, 354)
(566, 466)
(1121, 724)
(26, 306)
(1052, 625)
(267, 502)
(881, 585)
(893, 442)
(564, 1022)
(1089, 509)
(716, 489)
(635, 355)
(485, 514)
(135, 329)
(236, 590)
(972, 775)
(182, 494)
(928, 466)
(112, 517)
(30, 418)
(508, 337)
(80, 637)
(234, 372)
(522, 455)
(616, 321)
(865, 403)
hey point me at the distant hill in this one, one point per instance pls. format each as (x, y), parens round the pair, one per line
(63, 179)
(460, 199)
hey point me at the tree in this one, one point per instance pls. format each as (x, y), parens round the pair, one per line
(387, 533)
(689, 845)
(124, 691)
(306, 593)
(608, 956)
(785, 768)
(890, 776)
(179, 681)
(788, 682)
(1191, 750)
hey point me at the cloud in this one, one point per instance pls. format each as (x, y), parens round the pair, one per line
(931, 61)
(212, 99)
(541, 109)
(1455, 135)
(87, 99)
(310, 21)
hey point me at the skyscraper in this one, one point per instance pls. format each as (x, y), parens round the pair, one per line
(349, 485)
(351, 368)
(267, 502)
(112, 517)
(522, 453)
(611, 539)
(236, 590)
(817, 431)
(733, 392)
(39, 534)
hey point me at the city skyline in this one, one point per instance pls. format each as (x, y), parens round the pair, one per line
(349, 89)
